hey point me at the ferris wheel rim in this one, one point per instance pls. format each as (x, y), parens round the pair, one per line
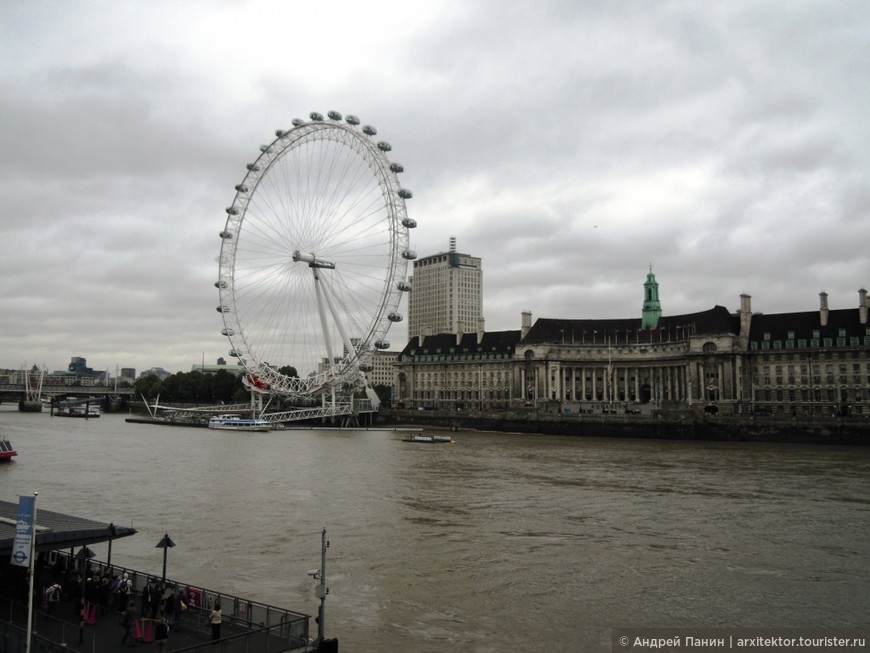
(394, 213)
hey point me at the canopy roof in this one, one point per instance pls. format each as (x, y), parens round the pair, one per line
(55, 530)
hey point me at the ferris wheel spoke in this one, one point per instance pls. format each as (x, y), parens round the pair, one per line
(313, 252)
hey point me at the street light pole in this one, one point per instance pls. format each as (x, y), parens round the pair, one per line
(321, 590)
(165, 543)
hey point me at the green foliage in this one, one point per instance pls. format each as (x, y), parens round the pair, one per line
(192, 388)
(384, 392)
(288, 370)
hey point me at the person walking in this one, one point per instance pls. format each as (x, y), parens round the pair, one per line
(180, 607)
(215, 620)
(128, 621)
(124, 592)
(161, 634)
(50, 598)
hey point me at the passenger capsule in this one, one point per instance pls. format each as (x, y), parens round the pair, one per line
(297, 122)
(409, 254)
(280, 133)
(397, 167)
(405, 194)
(366, 367)
(234, 353)
(220, 284)
(265, 148)
(394, 317)
(410, 223)
(227, 332)
(317, 117)
(352, 120)
(383, 146)
(334, 115)
(226, 235)
(223, 309)
(232, 210)
(404, 286)
(368, 129)
(241, 188)
(382, 344)
(253, 167)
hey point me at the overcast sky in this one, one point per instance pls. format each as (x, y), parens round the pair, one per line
(568, 144)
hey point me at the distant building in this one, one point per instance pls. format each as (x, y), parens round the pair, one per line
(446, 294)
(78, 373)
(159, 372)
(790, 364)
(128, 373)
(384, 370)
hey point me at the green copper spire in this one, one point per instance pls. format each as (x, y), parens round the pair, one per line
(652, 308)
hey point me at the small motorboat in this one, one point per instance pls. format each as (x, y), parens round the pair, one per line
(425, 438)
(6, 450)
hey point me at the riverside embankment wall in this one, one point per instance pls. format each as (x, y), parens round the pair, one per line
(665, 425)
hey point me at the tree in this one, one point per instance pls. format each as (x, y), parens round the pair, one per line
(193, 388)
(384, 393)
(288, 370)
(224, 386)
(148, 386)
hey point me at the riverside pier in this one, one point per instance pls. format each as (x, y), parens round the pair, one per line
(64, 557)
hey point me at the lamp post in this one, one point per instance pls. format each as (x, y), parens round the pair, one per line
(112, 533)
(165, 543)
(321, 590)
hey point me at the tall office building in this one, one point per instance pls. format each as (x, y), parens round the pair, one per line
(446, 294)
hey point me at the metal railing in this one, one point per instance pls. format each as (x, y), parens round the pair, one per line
(247, 624)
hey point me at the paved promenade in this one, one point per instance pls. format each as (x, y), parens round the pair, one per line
(64, 629)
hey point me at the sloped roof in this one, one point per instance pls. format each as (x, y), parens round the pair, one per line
(499, 341)
(56, 530)
(714, 321)
(803, 324)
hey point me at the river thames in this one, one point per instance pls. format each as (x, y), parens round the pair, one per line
(501, 542)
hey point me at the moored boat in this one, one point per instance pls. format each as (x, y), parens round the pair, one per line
(6, 450)
(85, 410)
(425, 438)
(232, 422)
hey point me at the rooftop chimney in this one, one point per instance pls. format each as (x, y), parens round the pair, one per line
(823, 308)
(526, 324)
(862, 306)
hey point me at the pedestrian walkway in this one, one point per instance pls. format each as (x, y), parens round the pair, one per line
(63, 631)
(247, 626)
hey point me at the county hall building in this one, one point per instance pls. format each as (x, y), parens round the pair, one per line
(715, 361)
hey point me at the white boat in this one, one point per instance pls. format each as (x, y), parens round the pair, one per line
(230, 422)
(430, 439)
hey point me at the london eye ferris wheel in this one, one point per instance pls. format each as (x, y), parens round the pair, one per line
(314, 256)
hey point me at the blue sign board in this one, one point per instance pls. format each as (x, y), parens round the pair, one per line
(24, 531)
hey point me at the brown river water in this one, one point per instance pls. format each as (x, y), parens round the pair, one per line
(500, 542)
